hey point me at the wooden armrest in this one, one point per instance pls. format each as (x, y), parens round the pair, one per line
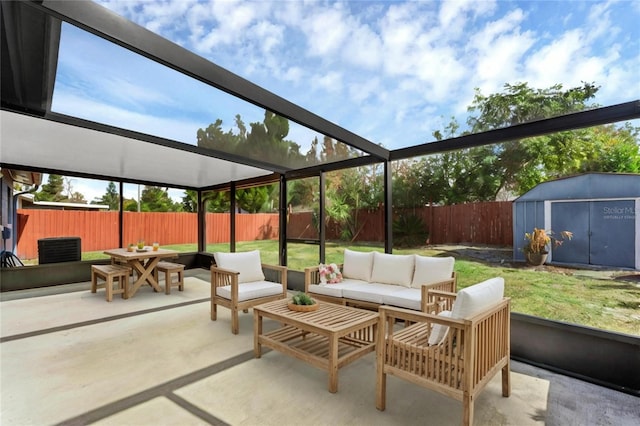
(280, 270)
(389, 315)
(224, 271)
(444, 294)
(312, 275)
(444, 285)
(391, 312)
(427, 290)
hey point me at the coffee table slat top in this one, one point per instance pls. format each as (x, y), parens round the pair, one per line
(328, 316)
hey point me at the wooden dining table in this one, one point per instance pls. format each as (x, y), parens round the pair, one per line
(143, 261)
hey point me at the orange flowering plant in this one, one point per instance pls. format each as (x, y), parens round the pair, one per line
(539, 240)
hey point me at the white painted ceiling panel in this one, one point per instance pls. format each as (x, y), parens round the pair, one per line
(40, 143)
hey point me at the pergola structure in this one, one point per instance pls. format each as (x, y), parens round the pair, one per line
(36, 139)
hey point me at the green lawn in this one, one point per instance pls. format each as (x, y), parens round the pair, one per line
(605, 304)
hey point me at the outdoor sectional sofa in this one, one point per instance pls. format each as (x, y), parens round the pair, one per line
(373, 279)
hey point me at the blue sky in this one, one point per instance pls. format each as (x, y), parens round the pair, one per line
(392, 72)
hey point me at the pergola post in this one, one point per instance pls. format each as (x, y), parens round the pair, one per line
(388, 208)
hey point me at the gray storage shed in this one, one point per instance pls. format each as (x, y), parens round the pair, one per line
(599, 208)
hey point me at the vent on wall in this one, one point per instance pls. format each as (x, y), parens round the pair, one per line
(61, 249)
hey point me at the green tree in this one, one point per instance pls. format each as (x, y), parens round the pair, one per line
(52, 190)
(129, 205)
(482, 173)
(257, 199)
(190, 201)
(265, 141)
(303, 193)
(111, 197)
(156, 199)
(217, 202)
(77, 197)
(350, 190)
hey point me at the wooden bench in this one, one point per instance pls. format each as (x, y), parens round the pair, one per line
(170, 268)
(111, 274)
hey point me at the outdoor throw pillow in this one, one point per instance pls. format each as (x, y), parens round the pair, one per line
(329, 274)
(247, 263)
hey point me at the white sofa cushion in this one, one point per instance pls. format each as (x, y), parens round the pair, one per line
(474, 299)
(439, 331)
(369, 292)
(408, 298)
(429, 270)
(393, 269)
(334, 290)
(247, 263)
(251, 290)
(357, 265)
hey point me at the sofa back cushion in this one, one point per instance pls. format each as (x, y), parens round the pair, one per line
(474, 299)
(394, 269)
(431, 270)
(247, 263)
(357, 265)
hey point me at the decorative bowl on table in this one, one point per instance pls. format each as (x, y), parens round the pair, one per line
(301, 302)
(142, 250)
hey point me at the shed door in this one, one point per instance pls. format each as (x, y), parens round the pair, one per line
(613, 233)
(603, 232)
(573, 217)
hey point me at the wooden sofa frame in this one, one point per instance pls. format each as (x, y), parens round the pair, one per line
(472, 352)
(312, 276)
(223, 277)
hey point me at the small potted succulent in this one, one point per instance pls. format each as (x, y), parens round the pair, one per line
(302, 302)
(538, 242)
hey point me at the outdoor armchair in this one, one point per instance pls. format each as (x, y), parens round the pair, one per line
(240, 281)
(456, 352)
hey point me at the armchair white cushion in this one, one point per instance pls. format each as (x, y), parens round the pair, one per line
(470, 301)
(478, 297)
(248, 264)
(239, 283)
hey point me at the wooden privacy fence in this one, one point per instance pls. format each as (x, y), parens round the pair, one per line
(99, 230)
(476, 223)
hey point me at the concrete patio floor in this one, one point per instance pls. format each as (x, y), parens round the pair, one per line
(69, 357)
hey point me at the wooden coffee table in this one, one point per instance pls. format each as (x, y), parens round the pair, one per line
(329, 338)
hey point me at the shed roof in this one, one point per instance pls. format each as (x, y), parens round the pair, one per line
(587, 186)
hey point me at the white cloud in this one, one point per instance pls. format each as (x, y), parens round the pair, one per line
(330, 82)
(326, 31)
(498, 49)
(363, 48)
(392, 70)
